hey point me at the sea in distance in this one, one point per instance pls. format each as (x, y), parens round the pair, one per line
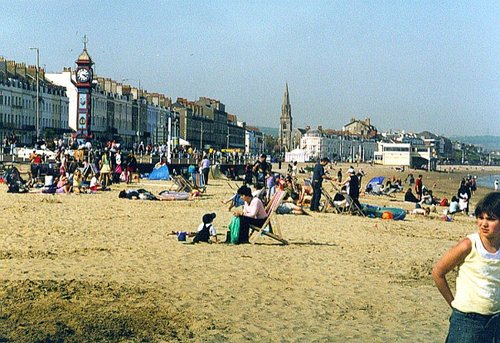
(488, 181)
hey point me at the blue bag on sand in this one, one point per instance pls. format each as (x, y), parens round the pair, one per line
(234, 228)
(181, 236)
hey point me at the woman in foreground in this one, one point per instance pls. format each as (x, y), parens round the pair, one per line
(475, 306)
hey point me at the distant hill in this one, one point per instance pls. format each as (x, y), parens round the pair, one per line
(270, 131)
(488, 142)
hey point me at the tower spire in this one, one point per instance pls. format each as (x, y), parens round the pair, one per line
(286, 122)
(286, 97)
(85, 40)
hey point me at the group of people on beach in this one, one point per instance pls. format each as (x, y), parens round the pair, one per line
(84, 171)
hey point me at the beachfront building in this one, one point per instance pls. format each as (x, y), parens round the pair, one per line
(408, 154)
(254, 141)
(237, 131)
(18, 97)
(361, 128)
(318, 143)
(205, 124)
(158, 122)
(119, 112)
(297, 135)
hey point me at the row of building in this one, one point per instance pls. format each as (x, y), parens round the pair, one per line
(131, 115)
(119, 112)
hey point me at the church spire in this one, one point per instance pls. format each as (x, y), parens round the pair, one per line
(286, 122)
(286, 97)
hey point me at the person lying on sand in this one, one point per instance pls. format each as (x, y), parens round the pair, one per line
(135, 194)
(290, 206)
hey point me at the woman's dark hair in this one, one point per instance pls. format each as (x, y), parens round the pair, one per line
(244, 190)
(490, 205)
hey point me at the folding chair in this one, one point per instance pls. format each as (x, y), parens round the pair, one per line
(199, 182)
(271, 231)
(329, 203)
(353, 208)
(182, 184)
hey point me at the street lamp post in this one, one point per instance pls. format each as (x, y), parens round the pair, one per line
(201, 136)
(37, 92)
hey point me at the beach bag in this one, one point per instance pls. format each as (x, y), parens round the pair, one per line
(181, 236)
(444, 202)
(234, 229)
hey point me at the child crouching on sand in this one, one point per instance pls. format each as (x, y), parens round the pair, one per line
(475, 306)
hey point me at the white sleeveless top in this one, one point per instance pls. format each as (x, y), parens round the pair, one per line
(478, 281)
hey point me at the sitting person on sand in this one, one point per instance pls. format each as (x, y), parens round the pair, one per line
(206, 230)
(236, 200)
(339, 199)
(94, 184)
(410, 197)
(77, 182)
(63, 186)
(305, 193)
(253, 213)
(453, 206)
(427, 197)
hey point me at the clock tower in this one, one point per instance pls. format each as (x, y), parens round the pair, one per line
(83, 83)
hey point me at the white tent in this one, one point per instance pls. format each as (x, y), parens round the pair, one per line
(181, 142)
(298, 155)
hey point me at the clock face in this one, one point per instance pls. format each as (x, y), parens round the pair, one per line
(83, 75)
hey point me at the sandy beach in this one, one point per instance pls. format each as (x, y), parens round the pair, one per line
(96, 268)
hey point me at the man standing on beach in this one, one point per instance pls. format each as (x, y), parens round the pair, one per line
(260, 168)
(317, 182)
(352, 184)
(205, 168)
(418, 187)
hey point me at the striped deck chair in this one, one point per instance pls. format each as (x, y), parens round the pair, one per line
(271, 230)
(199, 182)
(182, 184)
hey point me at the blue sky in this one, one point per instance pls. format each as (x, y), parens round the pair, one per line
(413, 65)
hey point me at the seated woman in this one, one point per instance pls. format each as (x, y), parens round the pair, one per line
(453, 206)
(77, 182)
(236, 200)
(253, 213)
(410, 197)
(427, 197)
(305, 193)
(63, 185)
(339, 199)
